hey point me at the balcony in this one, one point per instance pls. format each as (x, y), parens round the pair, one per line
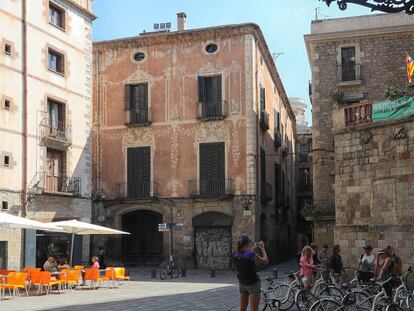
(211, 188)
(264, 120)
(146, 190)
(140, 118)
(278, 139)
(304, 187)
(266, 192)
(56, 135)
(349, 74)
(207, 111)
(303, 157)
(358, 114)
(58, 184)
(320, 210)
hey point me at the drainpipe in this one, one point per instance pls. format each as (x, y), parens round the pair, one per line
(98, 127)
(24, 197)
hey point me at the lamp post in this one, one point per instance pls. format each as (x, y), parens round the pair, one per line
(386, 6)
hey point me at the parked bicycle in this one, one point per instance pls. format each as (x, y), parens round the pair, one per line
(170, 270)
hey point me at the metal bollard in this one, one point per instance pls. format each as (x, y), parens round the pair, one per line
(183, 273)
(213, 273)
(275, 273)
(153, 273)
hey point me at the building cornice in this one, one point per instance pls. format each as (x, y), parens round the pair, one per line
(81, 9)
(202, 34)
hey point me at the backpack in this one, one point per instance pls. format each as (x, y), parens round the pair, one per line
(397, 266)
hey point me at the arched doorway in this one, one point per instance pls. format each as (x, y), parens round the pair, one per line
(212, 239)
(144, 245)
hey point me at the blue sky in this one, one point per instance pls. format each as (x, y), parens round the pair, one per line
(283, 22)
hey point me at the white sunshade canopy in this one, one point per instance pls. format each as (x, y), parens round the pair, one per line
(15, 222)
(83, 228)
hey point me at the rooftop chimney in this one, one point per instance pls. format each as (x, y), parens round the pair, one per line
(181, 21)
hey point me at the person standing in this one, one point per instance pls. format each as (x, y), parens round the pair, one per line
(102, 257)
(306, 265)
(245, 260)
(390, 267)
(324, 255)
(366, 264)
(336, 266)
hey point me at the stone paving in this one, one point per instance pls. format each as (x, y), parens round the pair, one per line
(197, 291)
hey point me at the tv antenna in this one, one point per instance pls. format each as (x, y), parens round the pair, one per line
(277, 55)
(319, 15)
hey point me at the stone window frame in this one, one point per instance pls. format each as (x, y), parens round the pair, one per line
(64, 13)
(4, 44)
(11, 163)
(357, 47)
(207, 44)
(4, 205)
(3, 99)
(65, 62)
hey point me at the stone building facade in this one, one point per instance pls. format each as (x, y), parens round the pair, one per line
(184, 127)
(304, 196)
(360, 165)
(45, 122)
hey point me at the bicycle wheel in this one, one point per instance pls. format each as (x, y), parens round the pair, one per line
(331, 291)
(410, 302)
(269, 303)
(304, 300)
(164, 274)
(175, 273)
(392, 307)
(326, 304)
(287, 302)
(278, 292)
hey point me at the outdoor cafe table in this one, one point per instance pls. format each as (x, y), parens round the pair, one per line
(56, 274)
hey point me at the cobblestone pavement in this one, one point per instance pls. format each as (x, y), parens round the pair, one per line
(197, 291)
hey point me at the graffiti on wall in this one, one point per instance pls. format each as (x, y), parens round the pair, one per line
(213, 247)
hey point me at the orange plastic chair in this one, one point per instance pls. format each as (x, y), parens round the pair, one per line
(72, 277)
(120, 274)
(110, 274)
(46, 281)
(92, 276)
(17, 281)
(34, 278)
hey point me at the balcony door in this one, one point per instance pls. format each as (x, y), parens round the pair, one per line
(55, 116)
(212, 169)
(139, 172)
(210, 96)
(348, 64)
(136, 101)
(54, 170)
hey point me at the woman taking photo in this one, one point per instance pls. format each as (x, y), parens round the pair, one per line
(245, 260)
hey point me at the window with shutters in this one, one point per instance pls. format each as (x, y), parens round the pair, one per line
(212, 182)
(277, 134)
(136, 104)
(349, 68)
(264, 116)
(139, 172)
(210, 102)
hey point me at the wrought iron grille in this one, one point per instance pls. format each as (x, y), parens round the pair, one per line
(386, 6)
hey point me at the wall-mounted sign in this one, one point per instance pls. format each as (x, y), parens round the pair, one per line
(392, 109)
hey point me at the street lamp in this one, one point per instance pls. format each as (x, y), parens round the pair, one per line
(386, 6)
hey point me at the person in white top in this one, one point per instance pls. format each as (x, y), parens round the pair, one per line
(366, 264)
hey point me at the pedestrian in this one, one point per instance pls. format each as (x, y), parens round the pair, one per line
(245, 260)
(314, 247)
(324, 255)
(102, 257)
(335, 266)
(95, 263)
(366, 264)
(51, 265)
(306, 265)
(389, 265)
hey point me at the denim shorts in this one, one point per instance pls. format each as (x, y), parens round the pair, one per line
(253, 289)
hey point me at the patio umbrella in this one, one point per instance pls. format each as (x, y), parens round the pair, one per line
(15, 222)
(83, 228)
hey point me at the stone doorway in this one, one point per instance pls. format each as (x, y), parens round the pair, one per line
(144, 245)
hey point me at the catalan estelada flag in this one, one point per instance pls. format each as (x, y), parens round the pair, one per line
(410, 67)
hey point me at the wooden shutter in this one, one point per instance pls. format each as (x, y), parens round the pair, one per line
(139, 165)
(127, 97)
(212, 162)
(262, 98)
(201, 89)
(217, 90)
(142, 97)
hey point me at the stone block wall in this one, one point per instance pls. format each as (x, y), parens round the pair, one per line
(373, 187)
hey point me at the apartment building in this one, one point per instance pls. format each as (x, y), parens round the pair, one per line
(362, 164)
(192, 127)
(45, 123)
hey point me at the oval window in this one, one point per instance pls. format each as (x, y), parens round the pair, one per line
(139, 56)
(211, 48)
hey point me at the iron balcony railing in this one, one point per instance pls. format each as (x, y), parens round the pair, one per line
(211, 187)
(264, 120)
(139, 117)
(143, 190)
(211, 110)
(58, 183)
(266, 192)
(320, 208)
(349, 72)
(55, 133)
